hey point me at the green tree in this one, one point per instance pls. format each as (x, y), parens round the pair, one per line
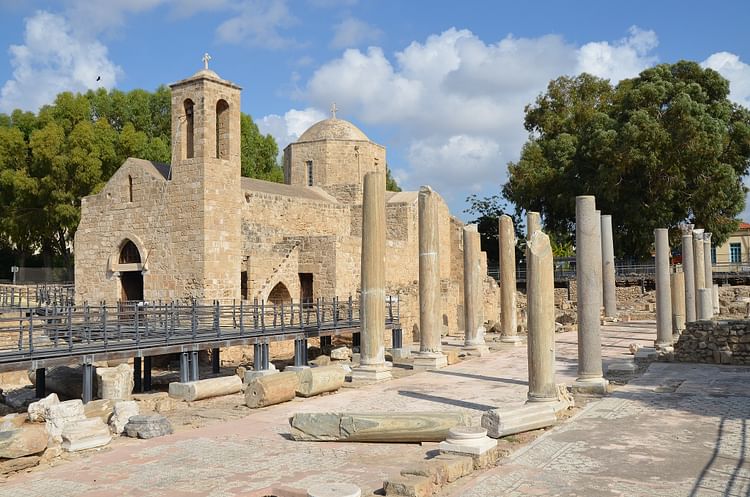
(662, 148)
(390, 182)
(258, 152)
(487, 212)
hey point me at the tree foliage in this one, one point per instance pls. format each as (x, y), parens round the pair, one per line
(487, 212)
(662, 148)
(69, 149)
(390, 181)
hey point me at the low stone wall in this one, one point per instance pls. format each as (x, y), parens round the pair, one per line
(717, 342)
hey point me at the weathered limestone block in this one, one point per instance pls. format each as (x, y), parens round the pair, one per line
(25, 441)
(204, 389)
(341, 353)
(334, 490)
(408, 486)
(148, 426)
(314, 381)
(376, 427)
(101, 409)
(12, 421)
(154, 401)
(456, 466)
(123, 411)
(532, 416)
(115, 383)
(273, 389)
(85, 434)
(38, 410)
(58, 415)
(321, 360)
(11, 465)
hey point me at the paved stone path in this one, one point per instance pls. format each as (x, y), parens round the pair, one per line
(253, 457)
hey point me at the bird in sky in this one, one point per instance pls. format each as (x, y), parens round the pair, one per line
(98, 78)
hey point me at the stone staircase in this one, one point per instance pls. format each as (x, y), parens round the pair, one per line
(285, 249)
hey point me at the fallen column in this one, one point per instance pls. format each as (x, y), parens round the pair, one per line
(688, 268)
(334, 490)
(608, 268)
(406, 427)
(430, 346)
(474, 331)
(678, 304)
(541, 317)
(589, 281)
(530, 416)
(204, 389)
(273, 389)
(314, 381)
(507, 237)
(372, 366)
(663, 291)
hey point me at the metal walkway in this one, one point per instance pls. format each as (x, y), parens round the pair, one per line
(38, 337)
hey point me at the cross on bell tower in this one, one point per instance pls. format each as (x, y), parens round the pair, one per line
(333, 110)
(205, 60)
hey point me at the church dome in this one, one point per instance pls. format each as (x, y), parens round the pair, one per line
(333, 129)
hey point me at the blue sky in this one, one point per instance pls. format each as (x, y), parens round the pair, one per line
(442, 84)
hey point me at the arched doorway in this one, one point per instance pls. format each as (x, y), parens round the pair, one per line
(279, 295)
(131, 281)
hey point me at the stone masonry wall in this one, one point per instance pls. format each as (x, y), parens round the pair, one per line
(717, 342)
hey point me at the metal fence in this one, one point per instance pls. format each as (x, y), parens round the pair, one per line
(16, 296)
(58, 331)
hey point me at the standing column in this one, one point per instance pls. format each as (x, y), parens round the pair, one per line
(688, 268)
(601, 259)
(708, 266)
(372, 301)
(705, 304)
(699, 272)
(507, 236)
(678, 304)
(430, 323)
(663, 292)
(608, 268)
(474, 338)
(541, 317)
(533, 223)
(589, 280)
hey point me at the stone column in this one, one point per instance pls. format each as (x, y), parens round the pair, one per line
(474, 341)
(678, 304)
(699, 271)
(533, 223)
(705, 304)
(430, 322)
(541, 318)
(663, 292)
(708, 267)
(507, 236)
(589, 281)
(372, 301)
(608, 268)
(688, 268)
(601, 260)
(715, 296)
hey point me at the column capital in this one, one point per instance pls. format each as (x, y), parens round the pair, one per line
(686, 229)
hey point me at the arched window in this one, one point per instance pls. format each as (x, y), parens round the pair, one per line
(130, 188)
(129, 253)
(222, 129)
(189, 129)
(279, 295)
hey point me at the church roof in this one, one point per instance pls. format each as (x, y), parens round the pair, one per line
(296, 191)
(333, 129)
(156, 168)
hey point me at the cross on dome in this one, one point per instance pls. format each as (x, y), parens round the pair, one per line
(205, 60)
(333, 110)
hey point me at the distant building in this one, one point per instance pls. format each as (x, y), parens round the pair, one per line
(736, 249)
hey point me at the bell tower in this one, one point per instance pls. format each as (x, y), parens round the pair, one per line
(206, 194)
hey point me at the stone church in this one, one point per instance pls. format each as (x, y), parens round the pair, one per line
(196, 229)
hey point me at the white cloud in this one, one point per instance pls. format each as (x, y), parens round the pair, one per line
(622, 59)
(53, 59)
(326, 4)
(737, 72)
(457, 101)
(259, 23)
(352, 32)
(287, 128)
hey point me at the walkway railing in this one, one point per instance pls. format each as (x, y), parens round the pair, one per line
(53, 331)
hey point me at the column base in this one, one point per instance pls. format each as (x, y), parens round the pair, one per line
(400, 353)
(467, 440)
(664, 347)
(429, 360)
(513, 339)
(478, 350)
(364, 375)
(590, 386)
